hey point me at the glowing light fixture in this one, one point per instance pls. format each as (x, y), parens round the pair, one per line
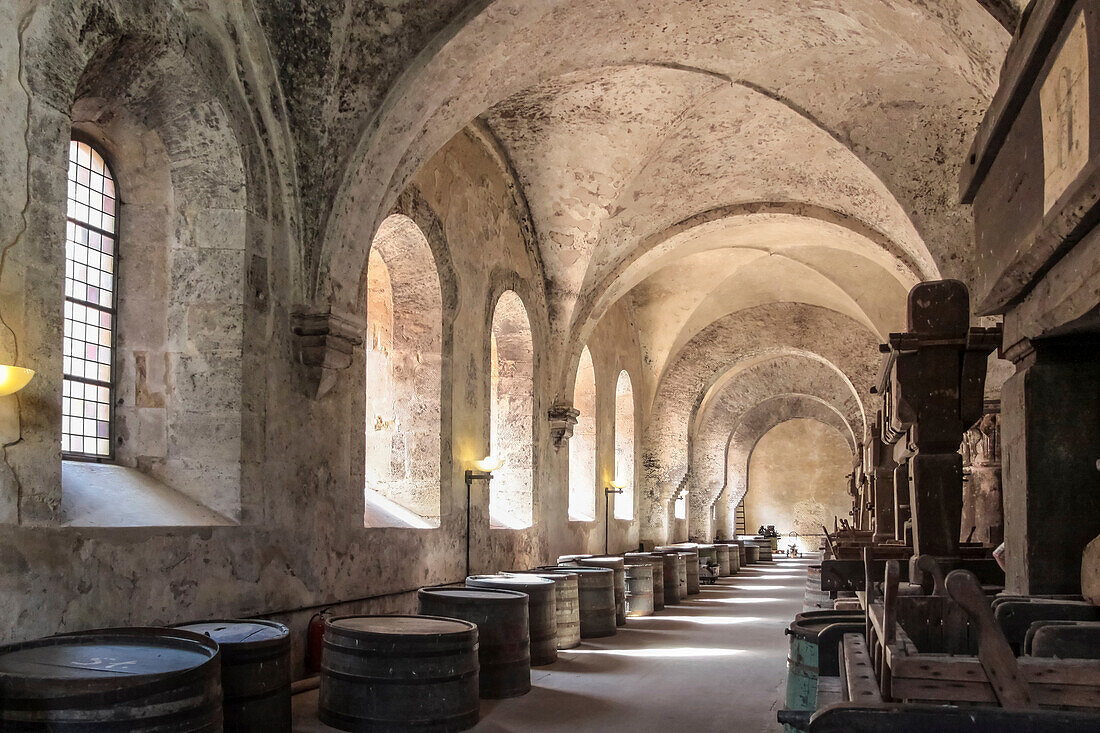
(13, 379)
(488, 464)
(618, 483)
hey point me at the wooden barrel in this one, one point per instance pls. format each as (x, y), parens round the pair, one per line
(765, 545)
(815, 598)
(566, 559)
(255, 673)
(723, 554)
(504, 642)
(742, 561)
(567, 605)
(399, 673)
(752, 553)
(74, 682)
(596, 592)
(541, 610)
(692, 568)
(682, 574)
(617, 565)
(639, 589)
(672, 576)
(657, 562)
(736, 555)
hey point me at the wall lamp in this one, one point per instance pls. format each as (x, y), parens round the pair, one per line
(482, 471)
(616, 487)
(13, 379)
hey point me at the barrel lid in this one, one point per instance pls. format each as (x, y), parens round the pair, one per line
(552, 575)
(234, 631)
(401, 625)
(107, 654)
(525, 581)
(473, 594)
(604, 561)
(581, 569)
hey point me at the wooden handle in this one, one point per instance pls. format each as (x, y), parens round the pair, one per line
(994, 653)
(928, 564)
(890, 602)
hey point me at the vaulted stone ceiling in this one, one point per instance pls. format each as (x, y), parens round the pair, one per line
(744, 179)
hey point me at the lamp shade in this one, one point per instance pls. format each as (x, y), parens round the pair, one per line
(13, 379)
(618, 483)
(488, 464)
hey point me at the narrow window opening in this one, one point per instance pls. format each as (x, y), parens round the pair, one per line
(582, 446)
(91, 244)
(403, 363)
(511, 414)
(624, 446)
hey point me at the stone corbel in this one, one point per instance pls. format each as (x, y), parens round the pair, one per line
(563, 418)
(324, 345)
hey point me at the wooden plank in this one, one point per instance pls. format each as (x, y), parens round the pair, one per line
(830, 691)
(858, 674)
(927, 690)
(1026, 58)
(1034, 670)
(994, 653)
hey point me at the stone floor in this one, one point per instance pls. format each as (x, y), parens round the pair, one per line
(716, 662)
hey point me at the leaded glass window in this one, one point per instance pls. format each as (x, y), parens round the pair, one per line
(90, 267)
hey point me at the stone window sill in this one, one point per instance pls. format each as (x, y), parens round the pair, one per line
(106, 495)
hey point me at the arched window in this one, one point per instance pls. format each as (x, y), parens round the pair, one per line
(582, 446)
(511, 415)
(624, 445)
(91, 246)
(403, 379)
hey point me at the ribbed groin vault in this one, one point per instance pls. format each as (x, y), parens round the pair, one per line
(363, 244)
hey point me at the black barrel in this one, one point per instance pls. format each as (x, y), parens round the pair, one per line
(639, 589)
(138, 680)
(541, 610)
(618, 566)
(503, 633)
(567, 604)
(395, 673)
(596, 590)
(255, 673)
(657, 562)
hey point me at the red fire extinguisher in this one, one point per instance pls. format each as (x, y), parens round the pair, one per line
(315, 638)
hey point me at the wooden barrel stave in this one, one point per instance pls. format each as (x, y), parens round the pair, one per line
(596, 593)
(567, 606)
(541, 611)
(66, 682)
(399, 673)
(504, 646)
(255, 658)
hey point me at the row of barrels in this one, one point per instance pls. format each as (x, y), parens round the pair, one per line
(424, 672)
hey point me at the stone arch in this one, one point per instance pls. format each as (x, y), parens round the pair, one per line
(203, 150)
(796, 479)
(702, 362)
(754, 424)
(181, 316)
(404, 357)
